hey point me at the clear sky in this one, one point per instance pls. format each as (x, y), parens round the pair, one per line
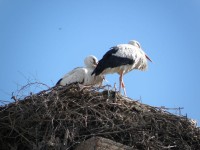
(41, 40)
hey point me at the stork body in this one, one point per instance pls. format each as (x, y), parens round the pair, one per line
(83, 75)
(122, 59)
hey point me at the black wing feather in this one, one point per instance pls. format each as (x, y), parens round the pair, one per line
(111, 61)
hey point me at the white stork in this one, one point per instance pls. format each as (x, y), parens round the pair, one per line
(122, 59)
(83, 75)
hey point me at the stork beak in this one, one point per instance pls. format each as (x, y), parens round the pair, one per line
(148, 58)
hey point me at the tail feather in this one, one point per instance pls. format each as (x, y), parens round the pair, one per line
(58, 83)
(97, 71)
(94, 72)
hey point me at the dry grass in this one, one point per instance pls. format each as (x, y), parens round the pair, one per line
(61, 118)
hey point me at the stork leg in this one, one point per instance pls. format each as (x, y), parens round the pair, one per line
(123, 86)
(121, 83)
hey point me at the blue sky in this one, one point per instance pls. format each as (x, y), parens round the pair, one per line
(42, 40)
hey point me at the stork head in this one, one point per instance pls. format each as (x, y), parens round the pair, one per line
(137, 44)
(91, 61)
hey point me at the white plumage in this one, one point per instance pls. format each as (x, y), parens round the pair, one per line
(122, 59)
(83, 74)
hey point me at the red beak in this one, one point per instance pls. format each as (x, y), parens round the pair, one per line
(148, 58)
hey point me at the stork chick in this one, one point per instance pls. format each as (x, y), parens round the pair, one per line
(83, 75)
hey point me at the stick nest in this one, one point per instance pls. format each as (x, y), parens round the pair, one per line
(62, 117)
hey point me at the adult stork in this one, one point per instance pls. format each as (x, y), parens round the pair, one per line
(122, 59)
(83, 75)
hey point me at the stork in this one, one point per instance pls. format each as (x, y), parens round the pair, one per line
(83, 75)
(122, 59)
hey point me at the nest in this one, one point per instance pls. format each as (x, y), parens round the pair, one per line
(62, 117)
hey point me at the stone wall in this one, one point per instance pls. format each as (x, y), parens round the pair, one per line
(99, 143)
